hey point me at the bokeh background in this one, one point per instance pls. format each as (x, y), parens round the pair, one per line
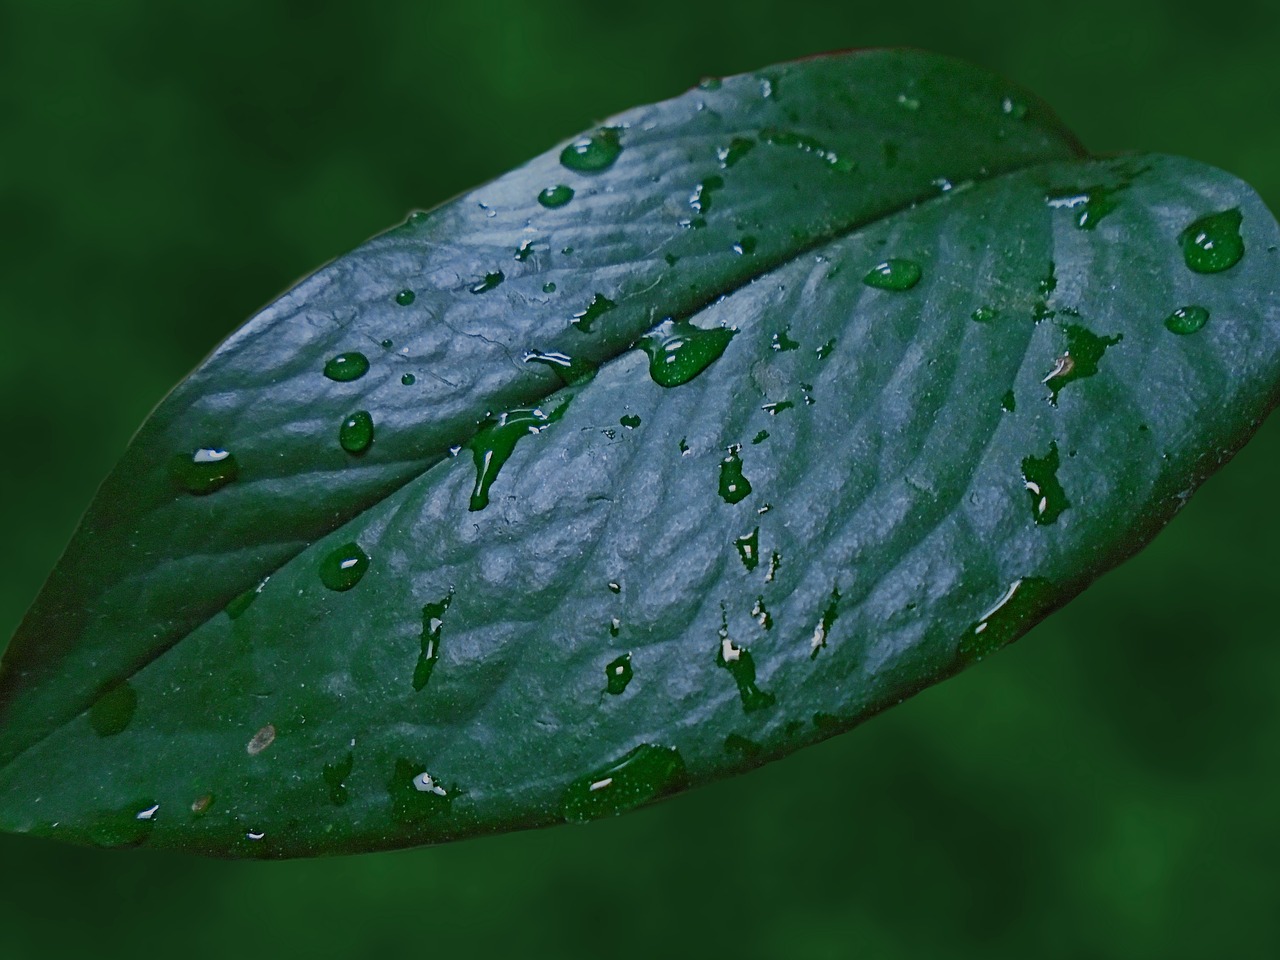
(1108, 787)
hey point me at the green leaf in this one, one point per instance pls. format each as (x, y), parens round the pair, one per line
(884, 370)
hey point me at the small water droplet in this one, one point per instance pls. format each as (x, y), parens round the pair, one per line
(127, 826)
(908, 102)
(1007, 403)
(556, 196)
(645, 774)
(570, 370)
(702, 195)
(678, 351)
(112, 712)
(773, 409)
(760, 437)
(824, 351)
(986, 315)
(405, 297)
(344, 567)
(742, 667)
(630, 421)
(1088, 204)
(346, 367)
(548, 287)
(1014, 612)
(415, 794)
(775, 564)
(593, 153)
(1084, 352)
(496, 439)
(738, 148)
(781, 342)
(204, 472)
(618, 674)
(335, 777)
(261, 740)
(432, 626)
(615, 626)
(829, 616)
(1040, 476)
(356, 433)
(614, 586)
(1186, 320)
(734, 486)
(1014, 108)
(749, 549)
(524, 251)
(893, 274)
(1213, 243)
(408, 380)
(709, 83)
(488, 282)
(599, 305)
(760, 613)
(745, 247)
(807, 144)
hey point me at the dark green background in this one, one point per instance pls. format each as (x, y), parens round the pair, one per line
(1108, 787)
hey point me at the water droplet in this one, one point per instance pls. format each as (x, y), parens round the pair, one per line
(415, 794)
(749, 549)
(1084, 351)
(570, 370)
(593, 153)
(773, 409)
(893, 274)
(1016, 610)
(782, 342)
(496, 439)
(824, 351)
(908, 102)
(986, 315)
(113, 711)
(745, 247)
(556, 196)
(614, 586)
(1213, 243)
(630, 421)
(1007, 403)
(738, 148)
(1014, 108)
(548, 287)
(734, 487)
(615, 627)
(129, 826)
(685, 450)
(1089, 204)
(599, 305)
(702, 195)
(1186, 320)
(344, 568)
(488, 282)
(775, 564)
(261, 740)
(760, 437)
(807, 144)
(408, 380)
(204, 472)
(524, 251)
(432, 626)
(238, 607)
(335, 778)
(760, 613)
(829, 616)
(678, 351)
(738, 661)
(405, 297)
(346, 367)
(618, 674)
(645, 774)
(709, 83)
(1040, 475)
(356, 433)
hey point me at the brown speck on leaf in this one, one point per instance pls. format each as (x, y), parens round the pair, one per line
(261, 740)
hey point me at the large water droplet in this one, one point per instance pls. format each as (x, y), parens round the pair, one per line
(678, 351)
(1213, 243)
(556, 196)
(344, 567)
(570, 370)
(204, 472)
(346, 367)
(738, 661)
(618, 674)
(113, 711)
(593, 153)
(432, 626)
(734, 486)
(356, 433)
(1016, 610)
(893, 274)
(646, 773)
(1186, 320)
(496, 439)
(599, 305)
(1040, 475)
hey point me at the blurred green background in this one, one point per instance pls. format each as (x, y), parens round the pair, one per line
(1106, 788)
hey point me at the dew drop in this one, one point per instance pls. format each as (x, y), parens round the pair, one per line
(495, 440)
(1213, 243)
(432, 626)
(405, 297)
(1186, 320)
(748, 546)
(645, 774)
(986, 315)
(678, 351)
(1084, 352)
(734, 486)
(760, 613)
(356, 433)
(630, 421)
(702, 194)
(344, 567)
(618, 674)
(760, 438)
(599, 305)
(823, 630)
(127, 826)
(738, 148)
(1040, 476)
(593, 153)
(570, 370)
(346, 367)
(557, 196)
(408, 380)
(746, 246)
(893, 274)
(204, 472)
(742, 667)
(488, 282)
(1088, 204)
(1015, 611)
(781, 342)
